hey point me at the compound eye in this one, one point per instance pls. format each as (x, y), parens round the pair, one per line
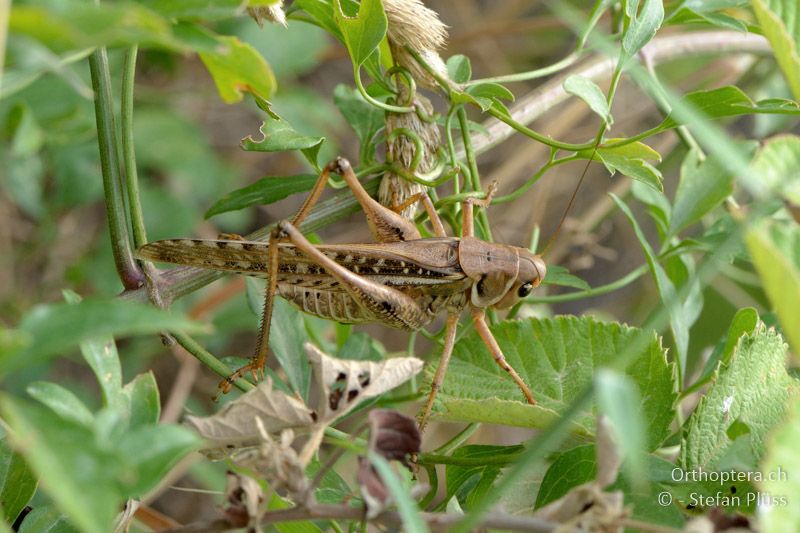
(525, 289)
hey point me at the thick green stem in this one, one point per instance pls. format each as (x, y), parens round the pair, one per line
(128, 269)
(128, 153)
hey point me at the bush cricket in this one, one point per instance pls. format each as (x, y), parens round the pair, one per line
(403, 280)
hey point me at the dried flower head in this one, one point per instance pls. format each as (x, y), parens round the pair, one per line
(418, 27)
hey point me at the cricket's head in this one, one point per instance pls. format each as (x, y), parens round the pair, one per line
(532, 271)
(502, 274)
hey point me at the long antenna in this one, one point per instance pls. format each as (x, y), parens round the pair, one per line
(569, 205)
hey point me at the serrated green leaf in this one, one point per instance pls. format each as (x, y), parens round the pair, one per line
(751, 388)
(666, 289)
(643, 26)
(589, 92)
(459, 68)
(558, 275)
(781, 468)
(775, 249)
(265, 191)
(279, 136)
(238, 68)
(144, 405)
(363, 33)
(46, 518)
(62, 401)
(780, 23)
(17, 482)
(556, 358)
(704, 184)
(777, 165)
(54, 329)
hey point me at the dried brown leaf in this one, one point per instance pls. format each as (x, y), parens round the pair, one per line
(344, 383)
(235, 424)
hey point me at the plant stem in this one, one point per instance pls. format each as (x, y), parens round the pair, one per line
(128, 269)
(659, 50)
(208, 359)
(595, 291)
(128, 152)
(436, 521)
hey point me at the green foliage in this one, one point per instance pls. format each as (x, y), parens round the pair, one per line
(78, 453)
(557, 358)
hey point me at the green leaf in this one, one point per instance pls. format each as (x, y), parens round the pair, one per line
(286, 338)
(332, 488)
(263, 192)
(777, 166)
(62, 401)
(490, 90)
(75, 472)
(17, 482)
(589, 92)
(751, 388)
(775, 249)
(630, 160)
(637, 169)
(72, 25)
(578, 465)
(556, 358)
(558, 275)
(100, 353)
(144, 405)
(46, 518)
(781, 468)
(780, 23)
(459, 69)
(237, 68)
(365, 119)
(643, 26)
(361, 346)
(279, 136)
(703, 186)
(666, 289)
(571, 468)
(729, 101)
(363, 33)
(196, 9)
(54, 329)
(463, 480)
(153, 450)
